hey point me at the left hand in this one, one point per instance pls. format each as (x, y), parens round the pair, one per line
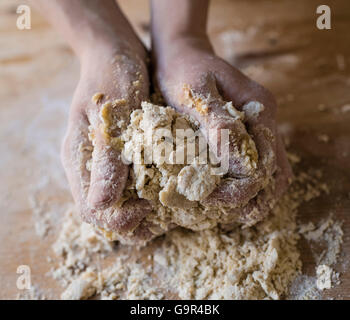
(192, 62)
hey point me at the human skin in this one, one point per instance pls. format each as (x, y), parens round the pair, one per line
(182, 54)
(111, 58)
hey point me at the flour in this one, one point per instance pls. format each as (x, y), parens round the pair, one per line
(121, 281)
(201, 261)
(325, 240)
(77, 244)
(41, 218)
(304, 288)
(256, 263)
(261, 262)
(81, 249)
(328, 233)
(34, 293)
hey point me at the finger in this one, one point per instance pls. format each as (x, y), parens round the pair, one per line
(259, 108)
(108, 173)
(119, 219)
(130, 215)
(236, 87)
(237, 192)
(139, 237)
(261, 126)
(260, 206)
(144, 232)
(75, 153)
(233, 192)
(222, 126)
(256, 210)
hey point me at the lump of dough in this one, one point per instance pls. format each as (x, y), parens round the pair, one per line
(196, 182)
(174, 190)
(169, 196)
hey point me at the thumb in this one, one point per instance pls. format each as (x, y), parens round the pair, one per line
(108, 175)
(223, 127)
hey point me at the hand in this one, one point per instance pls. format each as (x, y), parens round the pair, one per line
(118, 72)
(191, 61)
(113, 62)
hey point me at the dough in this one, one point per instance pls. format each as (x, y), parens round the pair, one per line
(175, 190)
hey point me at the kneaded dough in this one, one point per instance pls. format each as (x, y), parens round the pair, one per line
(175, 191)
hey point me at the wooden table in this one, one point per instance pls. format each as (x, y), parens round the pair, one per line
(275, 42)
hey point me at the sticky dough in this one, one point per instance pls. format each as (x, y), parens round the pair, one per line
(175, 191)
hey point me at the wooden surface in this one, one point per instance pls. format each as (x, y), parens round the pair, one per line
(275, 42)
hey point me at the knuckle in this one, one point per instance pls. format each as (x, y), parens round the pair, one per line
(260, 93)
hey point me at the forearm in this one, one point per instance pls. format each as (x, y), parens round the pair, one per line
(86, 24)
(179, 18)
(177, 22)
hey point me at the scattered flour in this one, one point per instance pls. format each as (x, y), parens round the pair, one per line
(81, 249)
(34, 293)
(304, 288)
(330, 234)
(325, 240)
(261, 262)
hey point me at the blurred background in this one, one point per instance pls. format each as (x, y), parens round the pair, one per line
(276, 42)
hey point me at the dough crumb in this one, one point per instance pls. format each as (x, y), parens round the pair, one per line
(253, 109)
(97, 98)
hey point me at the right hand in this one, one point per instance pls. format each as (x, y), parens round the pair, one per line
(112, 71)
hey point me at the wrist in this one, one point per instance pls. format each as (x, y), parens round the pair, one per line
(106, 48)
(180, 45)
(173, 19)
(179, 23)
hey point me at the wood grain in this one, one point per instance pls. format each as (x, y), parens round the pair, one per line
(275, 42)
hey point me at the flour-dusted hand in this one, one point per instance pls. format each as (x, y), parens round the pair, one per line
(198, 83)
(113, 82)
